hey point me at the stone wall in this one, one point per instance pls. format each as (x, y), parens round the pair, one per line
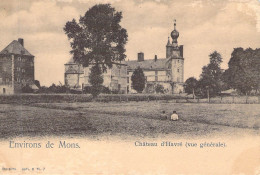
(23, 71)
(6, 74)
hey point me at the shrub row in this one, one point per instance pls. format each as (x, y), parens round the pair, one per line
(68, 98)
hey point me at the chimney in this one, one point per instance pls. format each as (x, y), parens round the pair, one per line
(140, 56)
(181, 50)
(155, 58)
(20, 40)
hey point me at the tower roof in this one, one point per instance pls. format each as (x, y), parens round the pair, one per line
(174, 34)
(15, 48)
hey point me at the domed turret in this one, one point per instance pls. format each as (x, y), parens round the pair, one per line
(174, 34)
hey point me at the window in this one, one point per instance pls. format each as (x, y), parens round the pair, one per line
(178, 70)
(23, 70)
(127, 79)
(19, 58)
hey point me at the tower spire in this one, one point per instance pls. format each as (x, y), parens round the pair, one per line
(175, 34)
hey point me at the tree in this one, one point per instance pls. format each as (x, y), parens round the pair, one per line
(172, 86)
(243, 70)
(210, 78)
(191, 85)
(96, 80)
(138, 80)
(98, 38)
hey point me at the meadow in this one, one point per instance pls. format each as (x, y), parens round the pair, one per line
(98, 120)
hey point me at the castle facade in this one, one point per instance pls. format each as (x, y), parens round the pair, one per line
(167, 72)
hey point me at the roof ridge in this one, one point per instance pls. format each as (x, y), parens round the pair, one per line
(148, 59)
(15, 48)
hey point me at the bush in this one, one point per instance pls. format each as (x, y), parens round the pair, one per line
(103, 89)
(53, 89)
(159, 89)
(27, 89)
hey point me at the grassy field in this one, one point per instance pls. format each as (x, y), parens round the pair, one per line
(128, 120)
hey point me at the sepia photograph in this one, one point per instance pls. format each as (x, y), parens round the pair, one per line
(153, 87)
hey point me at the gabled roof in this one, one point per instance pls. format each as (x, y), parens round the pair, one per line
(72, 69)
(148, 64)
(15, 48)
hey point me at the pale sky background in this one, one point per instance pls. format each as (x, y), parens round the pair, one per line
(204, 26)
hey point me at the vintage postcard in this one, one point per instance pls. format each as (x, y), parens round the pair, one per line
(130, 87)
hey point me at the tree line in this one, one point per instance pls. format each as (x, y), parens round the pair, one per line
(243, 74)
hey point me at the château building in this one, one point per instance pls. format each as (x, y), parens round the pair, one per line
(168, 71)
(16, 68)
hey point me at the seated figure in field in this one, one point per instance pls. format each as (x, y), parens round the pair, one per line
(163, 116)
(174, 116)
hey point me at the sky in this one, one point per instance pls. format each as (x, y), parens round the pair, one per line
(204, 26)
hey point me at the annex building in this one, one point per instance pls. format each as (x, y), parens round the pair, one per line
(76, 76)
(16, 68)
(168, 71)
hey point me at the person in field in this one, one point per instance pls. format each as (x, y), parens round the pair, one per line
(174, 116)
(163, 116)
